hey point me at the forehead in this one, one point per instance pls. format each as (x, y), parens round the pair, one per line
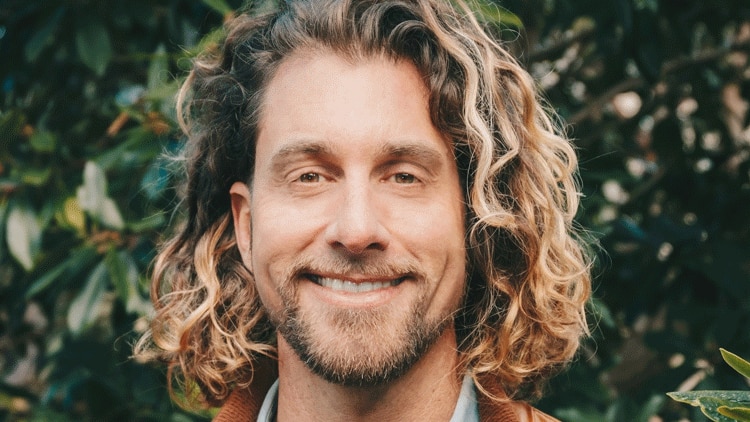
(329, 94)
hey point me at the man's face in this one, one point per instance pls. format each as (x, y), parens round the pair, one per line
(354, 221)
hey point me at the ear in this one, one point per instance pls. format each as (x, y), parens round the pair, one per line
(240, 197)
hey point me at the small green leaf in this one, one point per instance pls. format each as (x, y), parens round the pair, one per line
(219, 6)
(491, 12)
(11, 124)
(35, 176)
(118, 273)
(94, 46)
(741, 414)
(43, 36)
(79, 259)
(737, 363)
(43, 141)
(650, 408)
(23, 235)
(84, 308)
(158, 69)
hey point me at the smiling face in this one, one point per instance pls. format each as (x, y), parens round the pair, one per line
(353, 226)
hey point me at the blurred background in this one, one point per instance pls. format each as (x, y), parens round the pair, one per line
(655, 94)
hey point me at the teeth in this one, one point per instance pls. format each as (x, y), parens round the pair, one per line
(348, 286)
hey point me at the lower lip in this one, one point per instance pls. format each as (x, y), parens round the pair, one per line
(369, 299)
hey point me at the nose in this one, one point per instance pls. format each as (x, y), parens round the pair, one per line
(356, 226)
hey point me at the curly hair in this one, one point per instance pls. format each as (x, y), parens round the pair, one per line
(529, 278)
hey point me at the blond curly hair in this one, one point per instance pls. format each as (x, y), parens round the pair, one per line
(529, 279)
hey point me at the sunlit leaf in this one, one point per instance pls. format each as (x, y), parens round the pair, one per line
(71, 215)
(92, 197)
(158, 69)
(43, 141)
(709, 401)
(741, 414)
(151, 222)
(33, 176)
(84, 308)
(219, 6)
(94, 46)
(110, 215)
(493, 13)
(737, 363)
(23, 235)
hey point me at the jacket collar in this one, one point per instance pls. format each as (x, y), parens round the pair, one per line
(244, 404)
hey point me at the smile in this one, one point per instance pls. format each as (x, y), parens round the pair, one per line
(353, 287)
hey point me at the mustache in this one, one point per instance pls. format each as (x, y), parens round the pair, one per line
(362, 266)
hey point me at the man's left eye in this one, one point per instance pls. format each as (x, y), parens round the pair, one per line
(309, 178)
(405, 178)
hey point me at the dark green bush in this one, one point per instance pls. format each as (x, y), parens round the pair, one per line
(656, 95)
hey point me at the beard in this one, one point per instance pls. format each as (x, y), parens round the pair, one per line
(358, 347)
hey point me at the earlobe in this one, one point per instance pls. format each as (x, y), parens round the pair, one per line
(240, 197)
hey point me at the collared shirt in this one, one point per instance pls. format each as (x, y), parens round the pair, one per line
(466, 409)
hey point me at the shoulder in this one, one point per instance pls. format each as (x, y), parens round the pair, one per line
(517, 411)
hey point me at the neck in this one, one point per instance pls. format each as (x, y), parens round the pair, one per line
(428, 391)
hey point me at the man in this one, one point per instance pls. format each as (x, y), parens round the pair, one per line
(379, 223)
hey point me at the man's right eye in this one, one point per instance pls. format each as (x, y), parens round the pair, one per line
(309, 178)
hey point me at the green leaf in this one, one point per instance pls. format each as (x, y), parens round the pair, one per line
(737, 363)
(80, 258)
(11, 124)
(118, 273)
(219, 6)
(43, 141)
(83, 309)
(650, 408)
(158, 69)
(491, 12)
(94, 46)
(35, 176)
(151, 222)
(23, 235)
(43, 36)
(92, 197)
(741, 414)
(709, 401)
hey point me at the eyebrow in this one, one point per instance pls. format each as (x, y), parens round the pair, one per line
(300, 148)
(427, 156)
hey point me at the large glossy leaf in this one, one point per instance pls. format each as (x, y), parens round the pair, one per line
(23, 235)
(709, 401)
(94, 46)
(83, 310)
(92, 197)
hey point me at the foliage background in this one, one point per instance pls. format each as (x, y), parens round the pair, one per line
(656, 94)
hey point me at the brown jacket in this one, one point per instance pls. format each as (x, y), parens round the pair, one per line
(243, 406)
